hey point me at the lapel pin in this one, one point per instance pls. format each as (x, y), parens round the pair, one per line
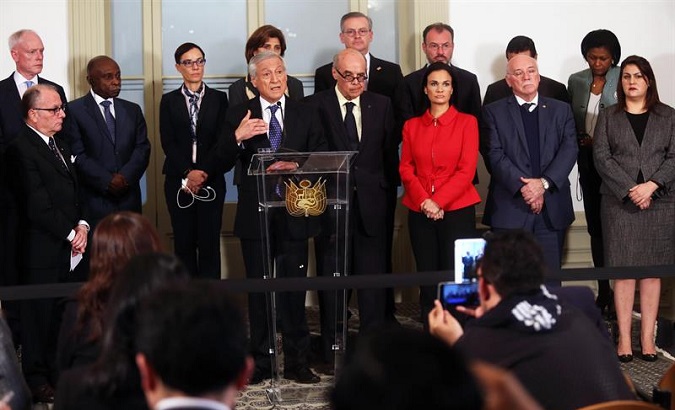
(379, 68)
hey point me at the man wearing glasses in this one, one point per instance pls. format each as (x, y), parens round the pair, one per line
(385, 78)
(109, 140)
(438, 44)
(52, 229)
(357, 120)
(531, 149)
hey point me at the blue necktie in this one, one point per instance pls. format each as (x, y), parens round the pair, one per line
(275, 128)
(29, 84)
(109, 119)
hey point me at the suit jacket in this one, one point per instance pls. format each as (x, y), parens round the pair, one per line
(465, 95)
(579, 85)
(47, 201)
(547, 88)
(301, 132)
(241, 90)
(384, 78)
(375, 167)
(619, 158)
(99, 155)
(174, 128)
(509, 160)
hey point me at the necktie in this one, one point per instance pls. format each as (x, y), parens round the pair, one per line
(528, 107)
(109, 119)
(275, 128)
(350, 126)
(29, 84)
(55, 151)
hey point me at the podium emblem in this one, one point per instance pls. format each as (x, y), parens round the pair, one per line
(305, 199)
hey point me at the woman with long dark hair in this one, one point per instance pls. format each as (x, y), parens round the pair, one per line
(634, 153)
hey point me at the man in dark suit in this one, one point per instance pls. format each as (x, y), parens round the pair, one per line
(384, 78)
(547, 87)
(438, 44)
(109, 139)
(186, 363)
(357, 120)
(52, 229)
(190, 124)
(272, 122)
(531, 149)
(26, 49)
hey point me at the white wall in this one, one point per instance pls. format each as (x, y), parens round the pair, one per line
(483, 28)
(49, 18)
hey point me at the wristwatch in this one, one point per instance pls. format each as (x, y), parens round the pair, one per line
(545, 183)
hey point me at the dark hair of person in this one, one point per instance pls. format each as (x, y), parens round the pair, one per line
(184, 48)
(438, 27)
(32, 96)
(518, 44)
(260, 36)
(512, 262)
(602, 39)
(193, 337)
(437, 66)
(405, 369)
(117, 238)
(652, 97)
(115, 370)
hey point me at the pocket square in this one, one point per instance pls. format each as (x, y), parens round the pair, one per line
(72, 159)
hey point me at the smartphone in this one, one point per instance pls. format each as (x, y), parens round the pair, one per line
(468, 253)
(453, 294)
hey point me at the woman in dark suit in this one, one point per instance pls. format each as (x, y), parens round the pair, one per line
(190, 121)
(634, 153)
(438, 162)
(117, 238)
(591, 91)
(264, 38)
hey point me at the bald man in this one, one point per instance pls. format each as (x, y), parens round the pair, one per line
(531, 149)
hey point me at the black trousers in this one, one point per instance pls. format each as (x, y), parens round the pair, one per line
(433, 244)
(290, 259)
(196, 229)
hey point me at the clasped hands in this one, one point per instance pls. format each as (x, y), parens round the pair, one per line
(533, 193)
(118, 185)
(79, 242)
(431, 209)
(641, 194)
(195, 180)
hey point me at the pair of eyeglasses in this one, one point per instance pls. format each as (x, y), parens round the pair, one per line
(54, 110)
(190, 63)
(361, 32)
(436, 46)
(349, 77)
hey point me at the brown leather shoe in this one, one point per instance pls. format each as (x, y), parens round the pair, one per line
(43, 393)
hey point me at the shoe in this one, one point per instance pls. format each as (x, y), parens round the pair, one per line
(327, 368)
(303, 375)
(648, 357)
(625, 358)
(605, 302)
(259, 375)
(43, 393)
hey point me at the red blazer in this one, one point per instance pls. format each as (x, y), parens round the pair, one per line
(438, 160)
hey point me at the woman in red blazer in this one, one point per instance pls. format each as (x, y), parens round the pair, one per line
(438, 163)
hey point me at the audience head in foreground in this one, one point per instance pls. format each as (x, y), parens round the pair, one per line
(191, 348)
(550, 346)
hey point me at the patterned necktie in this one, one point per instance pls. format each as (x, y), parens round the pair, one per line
(350, 126)
(275, 128)
(55, 151)
(528, 107)
(109, 119)
(193, 98)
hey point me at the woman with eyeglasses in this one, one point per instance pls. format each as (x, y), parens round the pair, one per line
(264, 38)
(634, 152)
(591, 91)
(190, 124)
(438, 162)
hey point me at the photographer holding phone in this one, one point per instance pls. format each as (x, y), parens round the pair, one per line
(438, 163)
(550, 346)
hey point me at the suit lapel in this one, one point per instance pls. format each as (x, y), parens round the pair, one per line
(97, 117)
(49, 156)
(204, 108)
(337, 124)
(366, 120)
(544, 119)
(514, 112)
